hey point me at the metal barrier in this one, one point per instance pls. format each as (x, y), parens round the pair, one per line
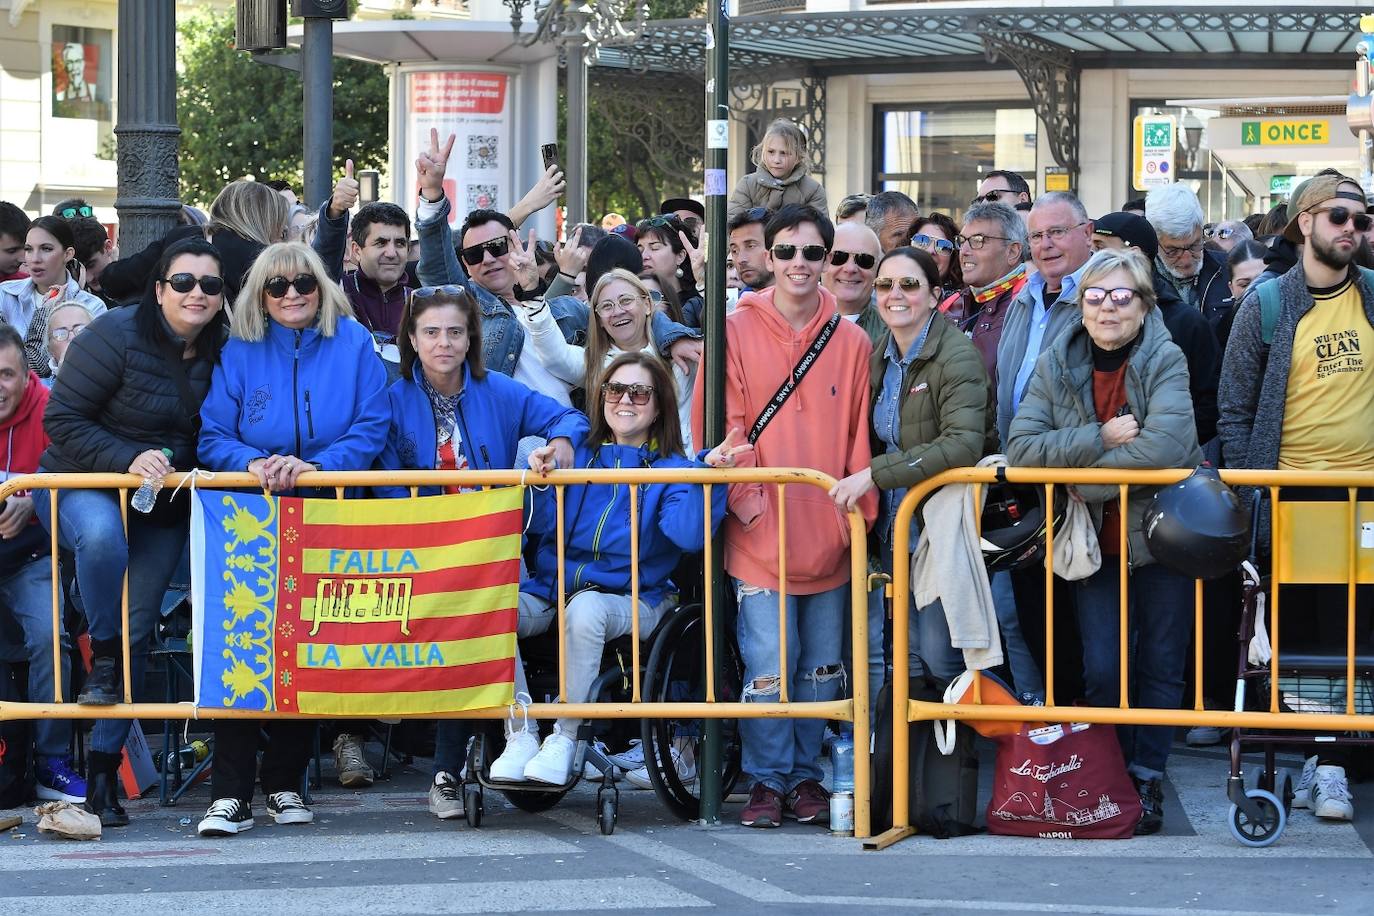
(853, 710)
(1299, 555)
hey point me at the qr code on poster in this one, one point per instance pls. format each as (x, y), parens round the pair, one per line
(482, 152)
(481, 197)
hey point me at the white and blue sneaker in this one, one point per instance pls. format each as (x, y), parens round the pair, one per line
(57, 781)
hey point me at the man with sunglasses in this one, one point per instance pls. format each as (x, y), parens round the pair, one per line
(849, 272)
(1297, 393)
(1003, 187)
(1199, 276)
(992, 254)
(691, 212)
(747, 248)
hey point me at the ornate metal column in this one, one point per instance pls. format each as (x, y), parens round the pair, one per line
(1051, 75)
(147, 198)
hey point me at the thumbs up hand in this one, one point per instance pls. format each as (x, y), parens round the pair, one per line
(345, 194)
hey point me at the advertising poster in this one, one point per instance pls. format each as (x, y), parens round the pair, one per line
(475, 106)
(81, 76)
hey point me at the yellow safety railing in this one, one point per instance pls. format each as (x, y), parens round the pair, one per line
(1305, 548)
(853, 710)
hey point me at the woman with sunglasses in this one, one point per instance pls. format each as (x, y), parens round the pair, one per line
(936, 235)
(54, 276)
(633, 425)
(931, 411)
(671, 252)
(299, 388)
(1112, 392)
(126, 402)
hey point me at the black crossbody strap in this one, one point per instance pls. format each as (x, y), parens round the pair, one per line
(794, 379)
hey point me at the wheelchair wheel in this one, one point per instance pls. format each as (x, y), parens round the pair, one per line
(1263, 831)
(674, 673)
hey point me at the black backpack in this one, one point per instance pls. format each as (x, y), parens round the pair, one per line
(942, 790)
(16, 779)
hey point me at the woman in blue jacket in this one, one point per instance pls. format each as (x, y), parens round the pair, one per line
(634, 425)
(298, 388)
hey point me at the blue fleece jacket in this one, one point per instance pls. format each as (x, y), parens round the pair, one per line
(597, 519)
(494, 413)
(298, 393)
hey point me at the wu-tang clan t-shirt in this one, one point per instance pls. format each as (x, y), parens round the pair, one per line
(1328, 421)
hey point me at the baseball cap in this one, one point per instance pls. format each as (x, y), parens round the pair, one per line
(1132, 228)
(673, 204)
(1312, 192)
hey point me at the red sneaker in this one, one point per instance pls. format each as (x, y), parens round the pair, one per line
(809, 803)
(764, 808)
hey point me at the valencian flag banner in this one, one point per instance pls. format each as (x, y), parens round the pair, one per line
(355, 607)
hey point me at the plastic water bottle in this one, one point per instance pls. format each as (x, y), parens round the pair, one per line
(146, 496)
(842, 792)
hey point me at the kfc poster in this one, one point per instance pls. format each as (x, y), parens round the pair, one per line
(81, 72)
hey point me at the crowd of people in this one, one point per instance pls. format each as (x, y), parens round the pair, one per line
(881, 347)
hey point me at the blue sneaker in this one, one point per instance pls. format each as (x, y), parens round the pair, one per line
(57, 781)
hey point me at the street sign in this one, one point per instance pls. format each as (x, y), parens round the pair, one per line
(1281, 185)
(1152, 154)
(1286, 132)
(1057, 178)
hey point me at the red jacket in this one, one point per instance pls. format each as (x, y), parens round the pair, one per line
(22, 435)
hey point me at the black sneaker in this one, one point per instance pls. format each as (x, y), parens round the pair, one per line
(226, 817)
(288, 808)
(102, 684)
(1151, 805)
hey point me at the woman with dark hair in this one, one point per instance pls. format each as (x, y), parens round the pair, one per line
(670, 250)
(935, 234)
(128, 401)
(634, 424)
(449, 413)
(54, 276)
(1244, 264)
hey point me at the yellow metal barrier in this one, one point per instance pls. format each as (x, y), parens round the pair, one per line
(853, 710)
(1305, 549)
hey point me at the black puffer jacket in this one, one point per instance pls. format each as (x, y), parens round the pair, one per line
(115, 398)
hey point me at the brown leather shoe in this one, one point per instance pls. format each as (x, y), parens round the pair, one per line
(808, 803)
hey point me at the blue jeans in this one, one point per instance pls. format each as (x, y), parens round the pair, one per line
(26, 597)
(90, 527)
(1025, 670)
(780, 753)
(1161, 622)
(928, 640)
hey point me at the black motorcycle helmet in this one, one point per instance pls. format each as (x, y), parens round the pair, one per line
(1013, 525)
(1198, 527)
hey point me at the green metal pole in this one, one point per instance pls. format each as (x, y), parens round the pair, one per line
(717, 187)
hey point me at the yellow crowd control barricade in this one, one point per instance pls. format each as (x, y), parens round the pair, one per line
(853, 710)
(1311, 543)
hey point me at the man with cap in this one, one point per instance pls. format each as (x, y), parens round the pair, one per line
(1302, 400)
(1186, 325)
(691, 212)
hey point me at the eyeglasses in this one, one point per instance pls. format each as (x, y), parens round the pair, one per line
(73, 212)
(624, 303)
(66, 333)
(992, 197)
(977, 241)
(1094, 296)
(429, 292)
(473, 254)
(1055, 234)
(930, 243)
(210, 285)
(906, 284)
(812, 253)
(1177, 251)
(863, 261)
(614, 392)
(305, 284)
(1340, 215)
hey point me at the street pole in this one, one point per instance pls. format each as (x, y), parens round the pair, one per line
(148, 175)
(575, 156)
(717, 186)
(317, 84)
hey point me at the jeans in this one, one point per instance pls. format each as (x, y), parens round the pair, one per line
(26, 598)
(1025, 670)
(928, 640)
(1161, 621)
(780, 753)
(90, 527)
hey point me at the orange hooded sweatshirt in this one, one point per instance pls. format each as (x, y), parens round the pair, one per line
(823, 425)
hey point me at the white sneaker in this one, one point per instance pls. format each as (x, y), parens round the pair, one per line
(288, 808)
(632, 759)
(226, 817)
(521, 746)
(589, 769)
(1331, 795)
(445, 797)
(1302, 792)
(685, 764)
(554, 761)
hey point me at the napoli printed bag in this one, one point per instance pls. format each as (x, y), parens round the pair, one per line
(1065, 782)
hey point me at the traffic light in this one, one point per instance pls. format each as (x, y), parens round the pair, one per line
(260, 25)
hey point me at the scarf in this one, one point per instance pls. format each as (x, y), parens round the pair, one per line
(445, 409)
(997, 288)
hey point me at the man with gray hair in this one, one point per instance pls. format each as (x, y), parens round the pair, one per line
(1200, 277)
(890, 215)
(992, 254)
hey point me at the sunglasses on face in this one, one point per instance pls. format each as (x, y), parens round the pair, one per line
(210, 285)
(624, 303)
(905, 284)
(473, 254)
(1122, 296)
(614, 393)
(1340, 215)
(74, 212)
(428, 292)
(930, 243)
(861, 260)
(812, 253)
(1219, 232)
(977, 241)
(993, 197)
(304, 284)
(67, 333)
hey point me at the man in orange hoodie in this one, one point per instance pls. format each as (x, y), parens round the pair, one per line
(822, 424)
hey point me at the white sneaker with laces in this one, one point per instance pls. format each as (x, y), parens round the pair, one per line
(1302, 792)
(288, 808)
(522, 743)
(445, 797)
(1331, 795)
(589, 769)
(685, 764)
(350, 763)
(631, 759)
(554, 761)
(226, 817)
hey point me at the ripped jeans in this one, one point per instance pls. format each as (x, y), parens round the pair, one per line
(780, 753)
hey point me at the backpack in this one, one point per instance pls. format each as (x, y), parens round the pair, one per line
(1270, 305)
(16, 780)
(942, 790)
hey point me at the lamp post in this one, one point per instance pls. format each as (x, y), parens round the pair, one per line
(580, 28)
